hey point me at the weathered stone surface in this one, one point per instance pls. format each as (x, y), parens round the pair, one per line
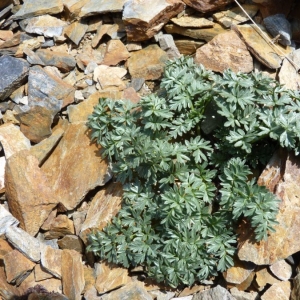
(206, 34)
(47, 90)
(105, 205)
(13, 73)
(73, 8)
(147, 63)
(192, 290)
(76, 31)
(95, 7)
(280, 291)
(92, 294)
(24, 242)
(72, 176)
(282, 270)
(34, 8)
(63, 61)
(225, 51)
(71, 242)
(4, 249)
(288, 74)
(6, 220)
(72, 274)
(166, 43)
(133, 290)
(46, 25)
(12, 139)
(7, 291)
(217, 292)
(241, 295)
(115, 53)
(207, 5)
(6, 35)
(51, 260)
(141, 23)
(192, 22)
(235, 15)
(17, 266)
(188, 47)
(2, 171)
(264, 277)
(263, 50)
(110, 277)
(59, 227)
(40, 273)
(109, 29)
(26, 188)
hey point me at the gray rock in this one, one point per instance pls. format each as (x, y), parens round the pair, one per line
(216, 293)
(6, 220)
(241, 295)
(166, 43)
(279, 25)
(13, 73)
(95, 7)
(137, 83)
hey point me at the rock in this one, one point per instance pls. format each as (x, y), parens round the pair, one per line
(24, 242)
(35, 123)
(2, 171)
(281, 290)
(47, 224)
(225, 51)
(188, 47)
(32, 8)
(241, 295)
(91, 294)
(282, 270)
(4, 249)
(59, 227)
(6, 35)
(7, 291)
(134, 46)
(45, 25)
(235, 15)
(206, 34)
(47, 90)
(13, 73)
(6, 220)
(264, 277)
(109, 77)
(167, 44)
(104, 206)
(278, 25)
(141, 23)
(26, 188)
(51, 260)
(192, 22)
(72, 274)
(73, 176)
(110, 277)
(71, 242)
(192, 290)
(17, 267)
(207, 5)
(95, 7)
(76, 31)
(272, 7)
(132, 95)
(73, 8)
(103, 29)
(264, 51)
(147, 63)
(12, 139)
(132, 290)
(63, 61)
(115, 53)
(40, 273)
(216, 293)
(288, 74)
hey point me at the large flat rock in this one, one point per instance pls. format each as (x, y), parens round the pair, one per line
(95, 7)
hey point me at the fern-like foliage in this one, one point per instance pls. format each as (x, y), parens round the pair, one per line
(186, 191)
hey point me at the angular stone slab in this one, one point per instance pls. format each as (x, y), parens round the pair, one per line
(142, 23)
(13, 73)
(282, 270)
(76, 31)
(33, 8)
(266, 52)
(225, 51)
(207, 5)
(51, 260)
(27, 188)
(115, 53)
(95, 7)
(280, 290)
(217, 292)
(6, 220)
(193, 22)
(75, 166)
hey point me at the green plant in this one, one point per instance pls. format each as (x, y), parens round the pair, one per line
(185, 191)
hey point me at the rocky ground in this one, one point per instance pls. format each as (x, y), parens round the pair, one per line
(57, 58)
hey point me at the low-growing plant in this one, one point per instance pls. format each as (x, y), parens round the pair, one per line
(186, 188)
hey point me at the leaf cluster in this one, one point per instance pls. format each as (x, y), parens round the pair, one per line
(185, 191)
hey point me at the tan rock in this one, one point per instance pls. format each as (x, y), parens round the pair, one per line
(115, 53)
(89, 277)
(132, 95)
(51, 285)
(110, 277)
(51, 260)
(188, 47)
(47, 224)
(71, 242)
(192, 290)
(225, 51)
(264, 277)
(103, 29)
(5, 248)
(280, 291)
(72, 274)
(235, 15)
(17, 266)
(73, 176)
(282, 270)
(73, 8)
(95, 7)
(89, 55)
(26, 188)
(12, 139)
(31, 44)
(105, 205)
(134, 46)
(192, 22)
(147, 63)
(207, 5)
(60, 226)
(41, 273)
(266, 52)
(7, 291)
(92, 294)
(2, 171)
(241, 295)
(76, 31)
(206, 34)
(141, 23)
(6, 35)
(10, 117)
